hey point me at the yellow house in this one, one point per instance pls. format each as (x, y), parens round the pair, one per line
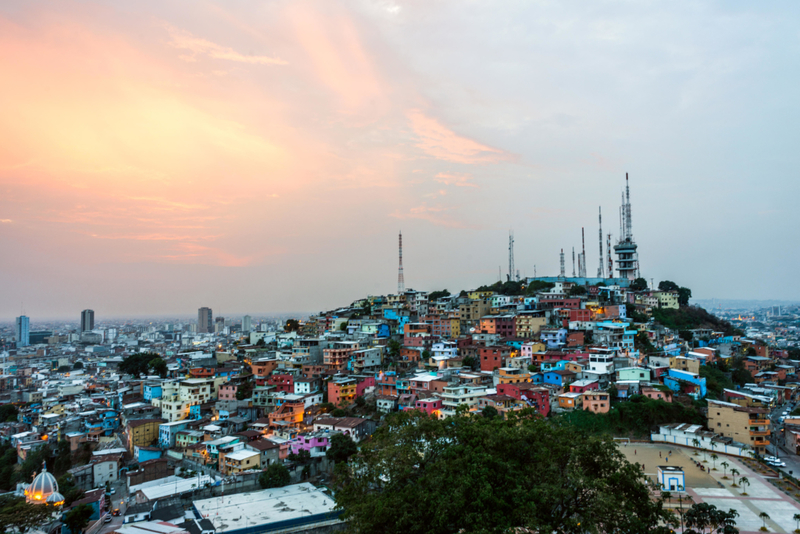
(569, 401)
(478, 295)
(241, 460)
(455, 328)
(513, 375)
(142, 432)
(667, 299)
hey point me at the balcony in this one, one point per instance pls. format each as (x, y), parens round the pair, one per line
(759, 422)
(759, 432)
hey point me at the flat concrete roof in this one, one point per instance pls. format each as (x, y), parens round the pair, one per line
(242, 510)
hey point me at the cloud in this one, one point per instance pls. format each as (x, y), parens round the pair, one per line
(442, 143)
(437, 215)
(184, 40)
(5, 221)
(456, 179)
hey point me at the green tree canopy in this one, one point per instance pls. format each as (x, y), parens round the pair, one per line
(436, 295)
(78, 365)
(77, 518)
(704, 518)
(16, 515)
(493, 475)
(577, 290)
(274, 476)
(8, 413)
(159, 366)
(684, 294)
(667, 285)
(538, 285)
(640, 284)
(292, 325)
(137, 364)
(341, 449)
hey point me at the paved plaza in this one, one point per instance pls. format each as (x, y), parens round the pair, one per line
(705, 486)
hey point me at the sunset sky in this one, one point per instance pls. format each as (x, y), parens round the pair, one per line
(254, 157)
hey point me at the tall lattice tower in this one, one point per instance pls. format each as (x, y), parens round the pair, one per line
(626, 249)
(562, 263)
(600, 267)
(511, 269)
(401, 283)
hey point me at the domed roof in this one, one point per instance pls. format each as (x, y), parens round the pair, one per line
(55, 499)
(42, 487)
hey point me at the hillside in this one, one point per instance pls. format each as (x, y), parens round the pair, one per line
(690, 318)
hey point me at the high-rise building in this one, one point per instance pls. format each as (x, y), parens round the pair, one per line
(23, 331)
(247, 324)
(205, 324)
(87, 320)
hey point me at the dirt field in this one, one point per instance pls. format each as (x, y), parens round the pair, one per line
(647, 454)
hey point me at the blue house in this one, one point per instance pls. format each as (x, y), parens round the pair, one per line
(168, 431)
(686, 382)
(152, 391)
(559, 378)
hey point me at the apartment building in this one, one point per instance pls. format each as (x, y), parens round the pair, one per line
(455, 396)
(750, 426)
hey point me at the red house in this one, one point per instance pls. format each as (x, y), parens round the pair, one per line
(534, 396)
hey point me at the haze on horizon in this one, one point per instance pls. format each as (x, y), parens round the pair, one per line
(262, 156)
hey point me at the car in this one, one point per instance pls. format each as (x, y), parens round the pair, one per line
(777, 464)
(116, 512)
(112, 491)
(108, 519)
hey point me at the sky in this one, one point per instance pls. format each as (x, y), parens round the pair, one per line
(255, 157)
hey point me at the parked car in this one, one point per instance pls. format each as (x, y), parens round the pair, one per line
(116, 512)
(112, 491)
(108, 519)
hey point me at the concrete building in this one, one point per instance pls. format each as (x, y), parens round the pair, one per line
(750, 426)
(239, 461)
(299, 507)
(205, 323)
(22, 331)
(87, 321)
(247, 324)
(142, 432)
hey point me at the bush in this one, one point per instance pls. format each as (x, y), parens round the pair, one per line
(274, 476)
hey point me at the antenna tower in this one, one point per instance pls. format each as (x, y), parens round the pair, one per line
(562, 263)
(600, 273)
(511, 269)
(573, 262)
(610, 259)
(628, 226)
(582, 263)
(401, 283)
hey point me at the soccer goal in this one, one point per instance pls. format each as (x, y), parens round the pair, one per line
(623, 441)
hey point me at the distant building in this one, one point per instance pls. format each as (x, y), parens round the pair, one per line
(87, 320)
(23, 331)
(247, 324)
(205, 324)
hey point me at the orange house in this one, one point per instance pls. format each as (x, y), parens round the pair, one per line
(263, 368)
(653, 393)
(596, 401)
(289, 412)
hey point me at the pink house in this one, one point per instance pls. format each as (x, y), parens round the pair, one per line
(316, 443)
(581, 386)
(364, 382)
(227, 392)
(428, 406)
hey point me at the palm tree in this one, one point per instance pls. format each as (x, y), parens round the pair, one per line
(725, 466)
(695, 443)
(796, 518)
(734, 472)
(745, 483)
(714, 458)
(764, 516)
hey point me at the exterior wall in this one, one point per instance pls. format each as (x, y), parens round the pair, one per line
(597, 402)
(750, 428)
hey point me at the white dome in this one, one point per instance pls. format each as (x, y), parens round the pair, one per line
(55, 498)
(41, 488)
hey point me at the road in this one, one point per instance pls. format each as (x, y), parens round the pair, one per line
(777, 445)
(118, 500)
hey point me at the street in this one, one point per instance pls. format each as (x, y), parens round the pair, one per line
(776, 447)
(118, 500)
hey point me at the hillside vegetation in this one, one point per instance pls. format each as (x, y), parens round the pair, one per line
(692, 317)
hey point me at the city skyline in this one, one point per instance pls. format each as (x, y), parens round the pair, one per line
(264, 157)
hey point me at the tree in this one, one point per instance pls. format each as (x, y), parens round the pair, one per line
(17, 515)
(537, 286)
(78, 365)
(684, 294)
(338, 412)
(67, 488)
(734, 474)
(667, 285)
(745, 483)
(341, 449)
(393, 349)
(436, 295)
(360, 402)
(77, 518)
(489, 412)
(796, 518)
(477, 474)
(8, 413)
(137, 364)
(640, 284)
(274, 476)
(714, 458)
(707, 518)
(764, 517)
(159, 366)
(695, 443)
(577, 290)
(343, 326)
(725, 466)
(469, 361)
(426, 355)
(292, 325)
(63, 459)
(261, 343)
(244, 390)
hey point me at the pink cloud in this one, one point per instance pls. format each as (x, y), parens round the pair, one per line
(438, 215)
(440, 142)
(184, 40)
(459, 180)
